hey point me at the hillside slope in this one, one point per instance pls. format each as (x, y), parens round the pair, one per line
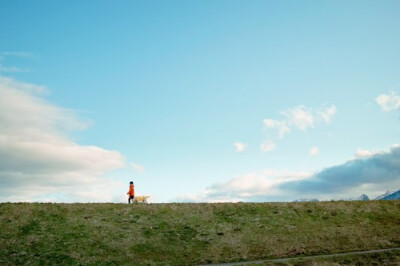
(191, 233)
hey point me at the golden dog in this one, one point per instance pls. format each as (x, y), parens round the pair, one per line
(142, 199)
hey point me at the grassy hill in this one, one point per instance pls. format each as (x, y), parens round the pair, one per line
(187, 234)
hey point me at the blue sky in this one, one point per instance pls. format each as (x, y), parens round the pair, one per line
(187, 98)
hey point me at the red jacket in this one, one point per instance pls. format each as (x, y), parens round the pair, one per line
(131, 190)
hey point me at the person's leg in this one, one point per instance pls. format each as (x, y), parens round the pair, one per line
(129, 200)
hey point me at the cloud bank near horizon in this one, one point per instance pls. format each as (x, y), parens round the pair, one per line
(372, 174)
(38, 159)
(381, 168)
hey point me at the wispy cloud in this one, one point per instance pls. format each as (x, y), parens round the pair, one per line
(37, 157)
(326, 113)
(299, 117)
(140, 168)
(240, 146)
(281, 126)
(314, 151)
(267, 146)
(12, 69)
(19, 54)
(388, 101)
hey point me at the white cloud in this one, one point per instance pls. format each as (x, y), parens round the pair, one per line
(245, 187)
(31, 89)
(281, 126)
(314, 151)
(37, 157)
(326, 113)
(267, 146)
(138, 167)
(364, 153)
(300, 117)
(388, 102)
(240, 146)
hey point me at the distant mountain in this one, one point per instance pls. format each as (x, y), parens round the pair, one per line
(363, 197)
(387, 193)
(392, 196)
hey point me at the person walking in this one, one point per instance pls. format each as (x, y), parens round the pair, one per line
(131, 192)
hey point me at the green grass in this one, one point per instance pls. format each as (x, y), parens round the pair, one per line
(187, 234)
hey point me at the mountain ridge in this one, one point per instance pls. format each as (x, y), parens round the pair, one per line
(388, 195)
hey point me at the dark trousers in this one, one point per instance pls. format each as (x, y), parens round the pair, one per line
(130, 198)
